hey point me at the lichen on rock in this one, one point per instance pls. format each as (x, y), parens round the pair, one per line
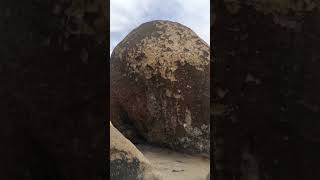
(166, 66)
(159, 51)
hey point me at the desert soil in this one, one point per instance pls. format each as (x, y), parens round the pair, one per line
(176, 166)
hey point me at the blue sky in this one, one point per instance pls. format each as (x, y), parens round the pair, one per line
(125, 15)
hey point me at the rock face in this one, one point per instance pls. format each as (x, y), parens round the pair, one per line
(266, 92)
(126, 161)
(160, 85)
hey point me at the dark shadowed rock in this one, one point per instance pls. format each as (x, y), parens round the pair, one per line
(266, 92)
(160, 85)
(53, 89)
(126, 161)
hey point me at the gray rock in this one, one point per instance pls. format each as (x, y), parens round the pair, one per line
(126, 161)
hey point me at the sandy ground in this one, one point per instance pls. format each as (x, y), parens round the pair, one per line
(176, 166)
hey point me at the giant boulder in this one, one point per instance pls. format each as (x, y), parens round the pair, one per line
(160, 85)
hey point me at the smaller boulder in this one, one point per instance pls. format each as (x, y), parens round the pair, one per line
(126, 161)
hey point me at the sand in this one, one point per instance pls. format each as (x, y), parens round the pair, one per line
(176, 166)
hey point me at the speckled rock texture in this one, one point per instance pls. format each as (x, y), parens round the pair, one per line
(265, 100)
(126, 161)
(160, 85)
(53, 89)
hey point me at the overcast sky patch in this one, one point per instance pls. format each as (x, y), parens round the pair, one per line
(125, 15)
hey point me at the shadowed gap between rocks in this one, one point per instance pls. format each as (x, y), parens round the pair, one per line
(131, 130)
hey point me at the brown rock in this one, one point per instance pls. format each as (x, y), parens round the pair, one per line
(160, 84)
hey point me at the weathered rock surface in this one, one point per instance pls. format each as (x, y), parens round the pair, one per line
(160, 85)
(266, 92)
(126, 161)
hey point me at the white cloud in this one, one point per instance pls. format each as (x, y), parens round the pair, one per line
(196, 15)
(125, 15)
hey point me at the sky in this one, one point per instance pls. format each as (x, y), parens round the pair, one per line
(126, 15)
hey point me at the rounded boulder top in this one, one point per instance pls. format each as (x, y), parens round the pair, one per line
(161, 46)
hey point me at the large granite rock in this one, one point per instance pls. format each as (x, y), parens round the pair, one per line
(126, 161)
(160, 85)
(266, 92)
